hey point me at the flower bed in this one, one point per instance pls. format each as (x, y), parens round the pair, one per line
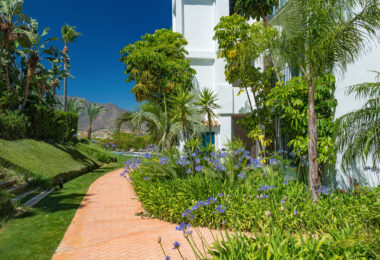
(231, 190)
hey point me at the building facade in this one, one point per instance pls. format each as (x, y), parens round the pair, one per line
(196, 19)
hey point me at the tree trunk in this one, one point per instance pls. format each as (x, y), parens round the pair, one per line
(65, 50)
(6, 75)
(249, 99)
(29, 77)
(258, 116)
(89, 130)
(312, 145)
(209, 127)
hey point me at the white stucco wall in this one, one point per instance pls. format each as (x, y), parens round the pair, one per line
(196, 20)
(358, 72)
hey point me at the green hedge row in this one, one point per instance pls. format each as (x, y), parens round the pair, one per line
(38, 122)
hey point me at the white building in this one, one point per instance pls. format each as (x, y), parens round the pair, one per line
(196, 20)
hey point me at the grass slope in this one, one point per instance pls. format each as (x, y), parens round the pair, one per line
(37, 234)
(42, 159)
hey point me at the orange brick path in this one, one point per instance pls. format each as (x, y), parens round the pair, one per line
(105, 227)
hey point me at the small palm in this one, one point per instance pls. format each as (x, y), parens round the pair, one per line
(207, 103)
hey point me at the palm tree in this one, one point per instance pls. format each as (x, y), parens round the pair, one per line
(69, 35)
(93, 111)
(163, 128)
(322, 35)
(34, 57)
(183, 110)
(13, 29)
(74, 105)
(359, 131)
(207, 104)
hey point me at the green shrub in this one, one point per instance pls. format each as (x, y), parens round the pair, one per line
(13, 125)
(96, 153)
(125, 141)
(278, 244)
(49, 124)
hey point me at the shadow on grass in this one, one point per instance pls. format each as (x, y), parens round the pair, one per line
(62, 200)
(75, 154)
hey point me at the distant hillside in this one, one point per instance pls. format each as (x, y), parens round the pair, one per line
(104, 120)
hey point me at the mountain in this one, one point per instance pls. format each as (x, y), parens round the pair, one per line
(103, 121)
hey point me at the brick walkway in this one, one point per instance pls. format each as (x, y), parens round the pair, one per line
(105, 227)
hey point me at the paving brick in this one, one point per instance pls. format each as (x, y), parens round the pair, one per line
(105, 227)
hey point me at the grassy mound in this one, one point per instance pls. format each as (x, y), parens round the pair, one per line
(42, 160)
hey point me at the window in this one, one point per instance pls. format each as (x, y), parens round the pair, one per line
(232, 6)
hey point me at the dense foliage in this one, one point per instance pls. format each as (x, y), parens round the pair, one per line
(289, 102)
(157, 64)
(232, 190)
(31, 70)
(53, 125)
(13, 125)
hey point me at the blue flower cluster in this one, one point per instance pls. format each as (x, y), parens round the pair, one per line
(164, 160)
(325, 190)
(200, 204)
(242, 175)
(183, 162)
(131, 165)
(266, 187)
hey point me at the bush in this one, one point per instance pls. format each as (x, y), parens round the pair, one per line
(54, 125)
(125, 141)
(96, 153)
(13, 125)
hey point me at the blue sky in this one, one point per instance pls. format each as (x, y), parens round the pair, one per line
(107, 26)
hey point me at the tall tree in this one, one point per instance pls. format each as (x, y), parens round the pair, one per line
(259, 10)
(34, 54)
(359, 131)
(68, 35)
(207, 102)
(240, 44)
(158, 66)
(93, 111)
(322, 35)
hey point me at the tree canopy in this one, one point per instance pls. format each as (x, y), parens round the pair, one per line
(157, 64)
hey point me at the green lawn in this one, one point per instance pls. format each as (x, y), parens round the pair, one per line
(36, 234)
(41, 158)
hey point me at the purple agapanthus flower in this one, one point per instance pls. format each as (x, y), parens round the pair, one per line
(220, 209)
(198, 168)
(325, 190)
(182, 226)
(146, 178)
(148, 156)
(242, 175)
(164, 160)
(176, 245)
(188, 171)
(212, 199)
